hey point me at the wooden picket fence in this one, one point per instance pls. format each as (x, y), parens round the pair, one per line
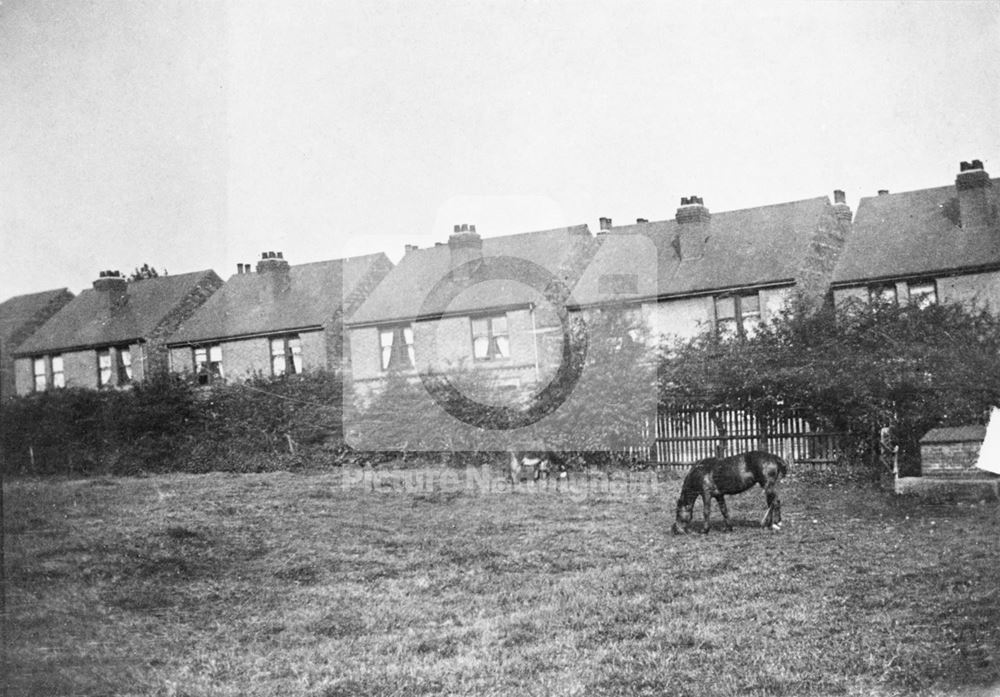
(686, 433)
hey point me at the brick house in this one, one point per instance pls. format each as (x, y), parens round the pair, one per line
(925, 246)
(725, 271)
(280, 320)
(111, 335)
(489, 305)
(20, 316)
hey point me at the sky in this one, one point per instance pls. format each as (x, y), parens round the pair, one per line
(192, 135)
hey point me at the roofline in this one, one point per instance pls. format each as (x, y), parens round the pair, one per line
(434, 316)
(661, 297)
(240, 337)
(940, 273)
(78, 347)
(624, 228)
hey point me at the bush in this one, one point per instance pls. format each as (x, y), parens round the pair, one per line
(167, 424)
(854, 370)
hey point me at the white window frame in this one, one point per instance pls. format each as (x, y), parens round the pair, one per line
(396, 351)
(286, 354)
(488, 343)
(58, 369)
(745, 318)
(40, 379)
(208, 366)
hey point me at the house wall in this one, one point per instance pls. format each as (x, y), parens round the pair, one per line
(9, 385)
(244, 358)
(981, 288)
(950, 459)
(446, 345)
(80, 368)
(682, 318)
(23, 376)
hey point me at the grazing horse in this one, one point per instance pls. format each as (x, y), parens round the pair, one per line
(716, 477)
(541, 463)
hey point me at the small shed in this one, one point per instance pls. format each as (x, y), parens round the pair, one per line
(952, 452)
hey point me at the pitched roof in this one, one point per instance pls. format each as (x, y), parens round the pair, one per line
(87, 320)
(955, 434)
(402, 293)
(20, 310)
(750, 247)
(250, 303)
(914, 233)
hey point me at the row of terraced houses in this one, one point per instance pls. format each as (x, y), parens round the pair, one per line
(488, 301)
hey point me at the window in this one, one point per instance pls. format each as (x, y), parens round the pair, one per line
(396, 347)
(103, 367)
(286, 355)
(883, 294)
(208, 363)
(737, 315)
(41, 376)
(58, 376)
(923, 294)
(490, 338)
(124, 360)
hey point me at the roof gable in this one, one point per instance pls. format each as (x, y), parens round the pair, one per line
(915, 233)
(258, 303)
(87, 320)
(22, 310)
(401, 294)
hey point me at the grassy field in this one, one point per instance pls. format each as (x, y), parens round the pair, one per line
(310, 584)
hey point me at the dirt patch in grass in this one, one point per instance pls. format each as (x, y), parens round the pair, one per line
(286, 584)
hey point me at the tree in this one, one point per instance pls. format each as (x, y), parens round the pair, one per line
(144, 272)
(854, 369)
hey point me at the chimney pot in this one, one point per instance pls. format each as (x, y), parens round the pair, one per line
(239, 268)
(838, 196)
(458, 228)
(692, 210)
(263, 255)
(281, 255)
(883, 192)
(641, 220)
(977, 164)
(605, 223)
(472, 228)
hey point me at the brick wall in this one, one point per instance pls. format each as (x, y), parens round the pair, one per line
(950, 459)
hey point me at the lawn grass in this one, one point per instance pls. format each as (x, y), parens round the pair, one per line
(310, 584)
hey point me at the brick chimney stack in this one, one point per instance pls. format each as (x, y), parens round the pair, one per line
(277, 270)
(465, 246)
(114, 288)
(976, 206)
(692, 210)
(605, 224)
(840, 208)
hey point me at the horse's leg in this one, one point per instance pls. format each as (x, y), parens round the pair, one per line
(707, 500)
(724, 509)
